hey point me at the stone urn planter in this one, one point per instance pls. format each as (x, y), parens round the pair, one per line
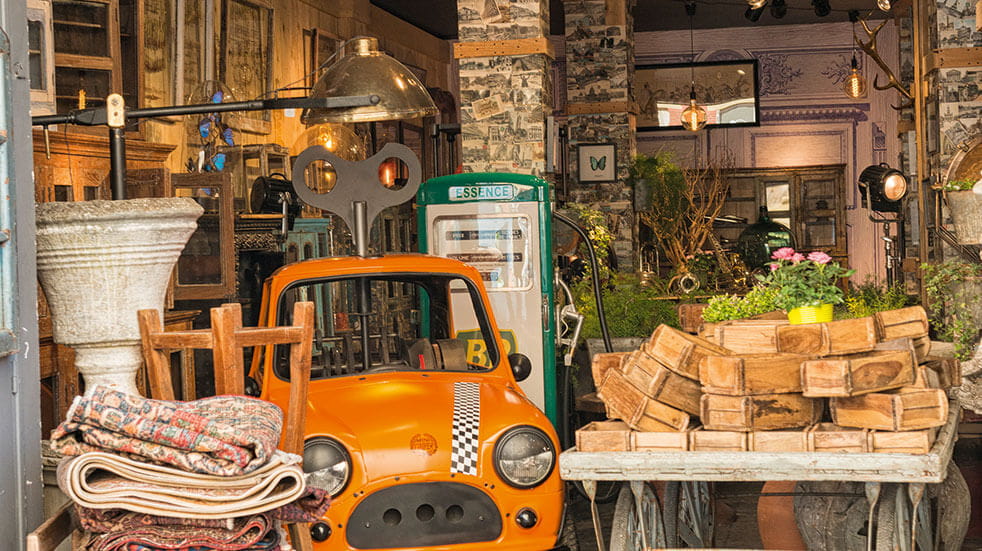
(965, 208)
(98, 263)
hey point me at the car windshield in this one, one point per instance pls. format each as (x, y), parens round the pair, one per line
(410, 322)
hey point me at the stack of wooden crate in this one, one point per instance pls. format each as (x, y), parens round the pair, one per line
(765, 385)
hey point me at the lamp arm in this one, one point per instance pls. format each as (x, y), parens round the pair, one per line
(97, 115)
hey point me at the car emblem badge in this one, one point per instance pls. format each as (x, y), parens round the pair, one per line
(423, 442)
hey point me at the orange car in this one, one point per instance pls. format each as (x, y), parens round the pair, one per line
(423, 437)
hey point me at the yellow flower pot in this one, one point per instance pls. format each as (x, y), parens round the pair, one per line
(810, 314)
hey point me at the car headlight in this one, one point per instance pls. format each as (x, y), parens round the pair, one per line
(524, 457)
(327, 464)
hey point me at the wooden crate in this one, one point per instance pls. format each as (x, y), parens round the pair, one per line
(626, 402)
(906, 409)
(856, 374)
(905, 322)
(751, 374)
(661, 383)
(824, 339)
(680, 351)
(603, 436)
(703, 440)
(910, 441)
(777, 441)
(604, 361)
(925, 377)
(690, 315)
(748, 336)
(666, 441)
(763, 412)
(920, 345)
(949, 371)
(829, 437)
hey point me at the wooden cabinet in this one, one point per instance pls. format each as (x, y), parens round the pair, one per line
(808, 200)
(206, 267)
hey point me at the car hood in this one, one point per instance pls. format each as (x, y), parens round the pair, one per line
(403, 423)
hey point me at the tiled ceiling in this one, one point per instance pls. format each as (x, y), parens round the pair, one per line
(439, 17)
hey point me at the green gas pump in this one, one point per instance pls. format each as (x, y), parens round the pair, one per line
(502, 225)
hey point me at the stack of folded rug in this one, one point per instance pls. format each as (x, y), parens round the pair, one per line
(150, 474)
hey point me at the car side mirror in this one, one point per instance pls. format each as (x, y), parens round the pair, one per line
(521, 366)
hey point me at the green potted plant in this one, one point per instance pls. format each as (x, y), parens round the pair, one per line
(954, 290)
(806, 285)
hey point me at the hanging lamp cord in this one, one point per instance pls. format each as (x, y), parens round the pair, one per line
(690, 10)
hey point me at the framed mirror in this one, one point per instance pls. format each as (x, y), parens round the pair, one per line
(727, 90)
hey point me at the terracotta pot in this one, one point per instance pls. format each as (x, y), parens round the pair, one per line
(775, 517)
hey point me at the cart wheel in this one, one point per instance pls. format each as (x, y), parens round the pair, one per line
(607, 490)
(894, 519)
(954, 508)
(625, 532)
(831, 515)
(690, 510)
(567, 538)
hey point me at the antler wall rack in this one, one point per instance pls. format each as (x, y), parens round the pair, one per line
(893, 82)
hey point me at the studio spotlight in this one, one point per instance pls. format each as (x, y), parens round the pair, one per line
(779, 8)
(752, 13)
(822, 7)
(882, 188)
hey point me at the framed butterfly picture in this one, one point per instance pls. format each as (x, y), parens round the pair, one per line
(597, 162)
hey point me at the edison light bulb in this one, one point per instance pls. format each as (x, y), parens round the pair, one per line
(855, 84)
(694, 116)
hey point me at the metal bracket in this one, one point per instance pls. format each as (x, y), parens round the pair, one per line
(358, 195)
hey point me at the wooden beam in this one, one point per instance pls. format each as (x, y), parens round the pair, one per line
(518, 46)
(958, 57)
(598, 107)
(978, 15)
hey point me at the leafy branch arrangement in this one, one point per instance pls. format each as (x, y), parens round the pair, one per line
(681, 203)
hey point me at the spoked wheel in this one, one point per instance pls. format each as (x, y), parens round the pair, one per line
(631, 525)
(690, 510)
(607, 490)
(895, 518)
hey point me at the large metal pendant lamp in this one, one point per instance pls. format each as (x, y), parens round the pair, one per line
(364, 70)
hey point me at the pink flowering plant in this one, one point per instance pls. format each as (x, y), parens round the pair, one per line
(802, 280)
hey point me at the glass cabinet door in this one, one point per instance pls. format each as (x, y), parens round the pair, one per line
(206, 268)
(817, 211)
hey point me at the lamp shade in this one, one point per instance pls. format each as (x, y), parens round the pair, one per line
(361, 71)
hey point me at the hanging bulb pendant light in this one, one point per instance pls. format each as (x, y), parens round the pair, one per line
(694, 116)
(855, 84)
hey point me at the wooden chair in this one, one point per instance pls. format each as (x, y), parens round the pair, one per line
(226, 339)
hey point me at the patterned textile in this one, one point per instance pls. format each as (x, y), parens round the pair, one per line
(101, 480)
(309, 507)
(137, 531)
(222, 435)
(116, 520)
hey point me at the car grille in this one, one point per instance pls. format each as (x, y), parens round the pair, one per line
(427, 513)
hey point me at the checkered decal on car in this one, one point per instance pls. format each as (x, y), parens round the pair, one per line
(466, 427)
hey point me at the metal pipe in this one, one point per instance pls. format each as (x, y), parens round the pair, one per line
(359, 233)
(117, 163)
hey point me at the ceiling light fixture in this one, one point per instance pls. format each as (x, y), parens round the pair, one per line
(884, 5)
(756, 4)
(694, 116)
(855, 84)
(753, 13)
(779, 8)
(822, 7)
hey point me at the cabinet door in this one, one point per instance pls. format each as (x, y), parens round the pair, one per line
(206, 268)
(819, 212)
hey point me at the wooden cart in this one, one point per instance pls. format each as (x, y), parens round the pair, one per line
(684, 515)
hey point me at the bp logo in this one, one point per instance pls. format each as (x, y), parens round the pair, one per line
(477, 349)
